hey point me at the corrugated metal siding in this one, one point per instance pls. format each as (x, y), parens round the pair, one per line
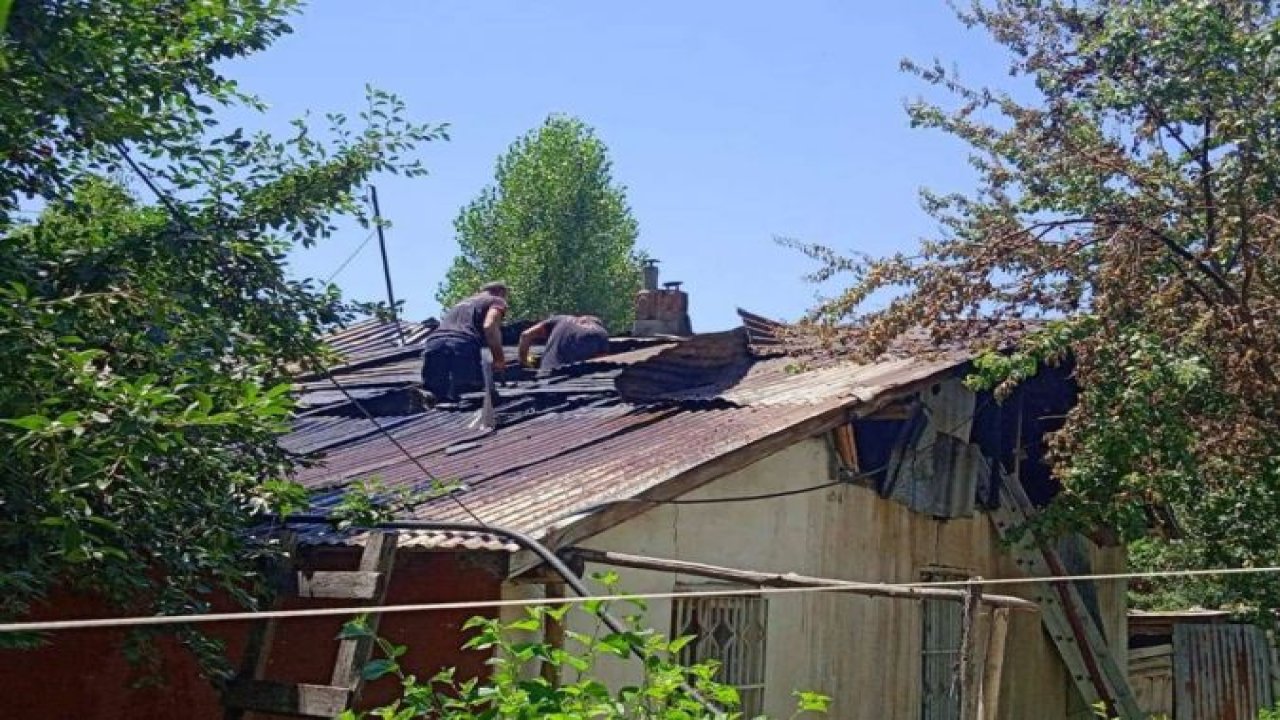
(1222, 672)
(940, 651)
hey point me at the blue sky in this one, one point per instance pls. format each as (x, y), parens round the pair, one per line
(729, 123)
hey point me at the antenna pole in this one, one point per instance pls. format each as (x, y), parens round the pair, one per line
(386, 267)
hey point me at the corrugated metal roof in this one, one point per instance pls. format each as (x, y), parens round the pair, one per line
(372, 336)
(564, 457)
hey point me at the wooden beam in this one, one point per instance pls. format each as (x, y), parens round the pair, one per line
(896, 411)
(339, 584)
(297, 700)
(766, 579)
(846, 447)
(994, 671)
(1079, 640)
(970, 668)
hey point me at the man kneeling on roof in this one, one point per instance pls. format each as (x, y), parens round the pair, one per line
(569, 339)
(451, 362)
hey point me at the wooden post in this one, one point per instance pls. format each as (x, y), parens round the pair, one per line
(970, 669)
(994, 671)
(553, 634)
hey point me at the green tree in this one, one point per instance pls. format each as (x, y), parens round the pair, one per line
(554, 227)
(1128, 193)
(147, 325)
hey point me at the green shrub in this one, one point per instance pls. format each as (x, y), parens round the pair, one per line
(515, 690)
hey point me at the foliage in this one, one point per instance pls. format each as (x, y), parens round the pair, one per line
(554, 227)
(145, 347)
(366, 503)
(515, 691)
(1128, 192)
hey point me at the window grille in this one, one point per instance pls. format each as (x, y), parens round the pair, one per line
(942, 633)
(731, 631)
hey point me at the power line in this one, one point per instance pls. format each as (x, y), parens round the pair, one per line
(155, 620)
(860, 475)
(350, 257)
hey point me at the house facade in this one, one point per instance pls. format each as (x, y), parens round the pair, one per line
(728, 449)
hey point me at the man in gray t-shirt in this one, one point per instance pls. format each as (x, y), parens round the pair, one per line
(569, 339)
(451, 353)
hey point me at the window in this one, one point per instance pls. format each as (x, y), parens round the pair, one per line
(941, 637)
(731, 631)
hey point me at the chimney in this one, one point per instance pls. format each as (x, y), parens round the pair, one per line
(662, 311)
(650, 268)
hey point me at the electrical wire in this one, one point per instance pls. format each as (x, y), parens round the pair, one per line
(846, 480)
(351, 257)
(154, 620)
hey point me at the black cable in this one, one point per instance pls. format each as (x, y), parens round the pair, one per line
(862, 474)
(350, 257)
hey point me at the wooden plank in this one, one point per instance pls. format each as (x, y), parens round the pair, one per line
(1080, 642)
(1151, 652)
(378, 556)
(970, 667)
(296, 700)
(339, 584)
(767, 579)
(993, 674)
(846, 447)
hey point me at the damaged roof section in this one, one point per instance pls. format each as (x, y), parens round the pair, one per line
(648, 421)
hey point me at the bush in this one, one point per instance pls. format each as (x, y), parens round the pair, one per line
(514, 691)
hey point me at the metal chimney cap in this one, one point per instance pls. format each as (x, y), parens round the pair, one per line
(673, 285)
(650, 262)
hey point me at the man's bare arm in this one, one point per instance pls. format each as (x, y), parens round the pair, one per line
(493, 335)
(535, 334)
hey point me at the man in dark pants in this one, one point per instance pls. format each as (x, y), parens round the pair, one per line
(451, 353)
(569, 339)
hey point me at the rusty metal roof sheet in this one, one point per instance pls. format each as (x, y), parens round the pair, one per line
(373, 335)
(561, 460)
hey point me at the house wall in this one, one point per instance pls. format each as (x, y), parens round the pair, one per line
(862, 651)
(84, 674)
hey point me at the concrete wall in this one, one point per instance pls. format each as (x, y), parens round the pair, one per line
(864, 652)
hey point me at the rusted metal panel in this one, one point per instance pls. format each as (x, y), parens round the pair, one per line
(1221, 672)
(371, 336)
(574, 444)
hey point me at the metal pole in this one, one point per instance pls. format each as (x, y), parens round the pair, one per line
(386, 267)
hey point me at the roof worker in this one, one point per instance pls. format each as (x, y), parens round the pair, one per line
(569, 339)
(451, 362)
